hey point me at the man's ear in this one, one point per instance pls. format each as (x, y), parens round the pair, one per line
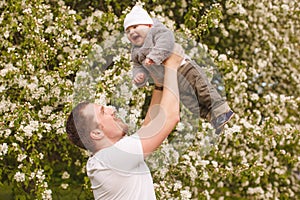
(96, 134)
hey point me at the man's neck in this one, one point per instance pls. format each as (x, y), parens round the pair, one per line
(105, 143)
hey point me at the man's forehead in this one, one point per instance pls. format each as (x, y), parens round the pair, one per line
(89, 109)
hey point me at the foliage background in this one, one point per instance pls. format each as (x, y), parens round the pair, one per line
(254, 44)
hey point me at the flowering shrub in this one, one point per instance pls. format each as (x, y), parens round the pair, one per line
(53, 56)
(265, 35)
(41, 49)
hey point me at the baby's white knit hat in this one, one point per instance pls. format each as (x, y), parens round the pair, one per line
(137, 15)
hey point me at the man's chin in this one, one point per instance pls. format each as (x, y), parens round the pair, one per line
(124, 127)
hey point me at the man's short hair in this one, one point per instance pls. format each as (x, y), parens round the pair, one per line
(78, 127)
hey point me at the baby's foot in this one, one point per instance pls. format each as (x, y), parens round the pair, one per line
(219, 122)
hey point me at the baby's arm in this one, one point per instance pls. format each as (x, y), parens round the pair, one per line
(140, 75)
(164, 44)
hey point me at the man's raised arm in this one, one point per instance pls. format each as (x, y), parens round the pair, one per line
(158, 127)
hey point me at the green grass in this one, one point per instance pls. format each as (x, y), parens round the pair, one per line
(58, 194)
(5, 193)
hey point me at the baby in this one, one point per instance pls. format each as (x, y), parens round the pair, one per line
(152, 43)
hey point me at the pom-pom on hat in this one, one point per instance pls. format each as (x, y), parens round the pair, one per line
(137, 15)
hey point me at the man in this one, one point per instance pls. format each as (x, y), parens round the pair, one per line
(117, 169)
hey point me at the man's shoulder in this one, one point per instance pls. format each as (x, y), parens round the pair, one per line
(134, 138)
(117, 156)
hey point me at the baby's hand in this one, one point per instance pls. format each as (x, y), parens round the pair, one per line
(139, 78)
(148, 62)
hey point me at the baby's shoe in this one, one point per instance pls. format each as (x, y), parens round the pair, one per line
(219, 122)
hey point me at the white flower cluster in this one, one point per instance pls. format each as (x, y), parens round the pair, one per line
(3, 149)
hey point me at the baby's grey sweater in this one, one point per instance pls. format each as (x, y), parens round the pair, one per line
(158, 46)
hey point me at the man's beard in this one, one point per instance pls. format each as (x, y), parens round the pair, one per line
(124, 127)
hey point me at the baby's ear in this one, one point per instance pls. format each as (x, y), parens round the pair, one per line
(96, 134)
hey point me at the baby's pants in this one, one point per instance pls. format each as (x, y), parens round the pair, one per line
(198, 94)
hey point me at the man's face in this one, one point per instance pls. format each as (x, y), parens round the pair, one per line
(137, 34)
(112, 126)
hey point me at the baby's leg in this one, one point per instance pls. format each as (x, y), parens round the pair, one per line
(199, 95)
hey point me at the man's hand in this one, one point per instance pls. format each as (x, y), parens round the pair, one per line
(148, 62)
(175, 58)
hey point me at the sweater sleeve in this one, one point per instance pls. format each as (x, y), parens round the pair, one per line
(163, 44)
(138, 67)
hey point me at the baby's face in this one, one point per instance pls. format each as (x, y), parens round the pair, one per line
(137, 34)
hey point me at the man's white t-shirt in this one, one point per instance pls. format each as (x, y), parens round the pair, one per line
(119, 172)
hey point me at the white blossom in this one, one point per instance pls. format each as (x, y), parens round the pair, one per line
(222, 57)
(19, 177)
(280, 171)
(285, 7)
(21, 157)
(7, 133)
(40, 176)
(64, 186)
(177, 185)
(185, 194)
(47, 195)
(3, 149)
(6, 34)
(256, 190)
(180, 126)
(214, 163)
(204, 176)
(41, 156)
(72, 12)
(65, 175)
(254, 97)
